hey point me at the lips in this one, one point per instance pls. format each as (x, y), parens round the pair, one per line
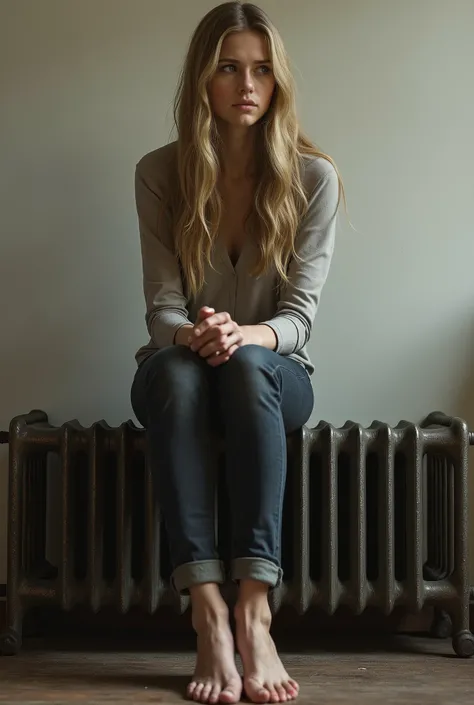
(248, 103)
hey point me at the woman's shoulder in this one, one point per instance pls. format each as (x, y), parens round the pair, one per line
(316, 169)
(158, 167)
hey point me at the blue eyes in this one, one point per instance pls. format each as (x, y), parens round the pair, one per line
(232, 68)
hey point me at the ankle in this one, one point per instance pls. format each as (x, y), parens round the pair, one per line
(208, 607)
(252, 604)
(247, 617)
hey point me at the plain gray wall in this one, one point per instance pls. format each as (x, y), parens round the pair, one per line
(385, 87)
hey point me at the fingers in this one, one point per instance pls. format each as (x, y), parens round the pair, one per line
(221, 343)
(217, 360)
(212, 340)
(215, 336)
(215, 319)
(204, 313)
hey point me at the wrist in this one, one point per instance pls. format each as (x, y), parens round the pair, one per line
(259, 335)
(182, 335)
(250, 335)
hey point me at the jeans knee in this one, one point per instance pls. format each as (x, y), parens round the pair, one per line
(247, 372)
(170, 379)
(247, 359)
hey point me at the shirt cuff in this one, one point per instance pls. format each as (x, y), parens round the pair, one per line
(177, 328)
(164, 331)
(286, 334)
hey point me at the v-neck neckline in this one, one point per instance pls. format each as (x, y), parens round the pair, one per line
(226, 256)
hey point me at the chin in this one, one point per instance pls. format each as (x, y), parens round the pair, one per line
(243, 120)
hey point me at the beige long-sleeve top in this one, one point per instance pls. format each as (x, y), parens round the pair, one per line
(289, 309)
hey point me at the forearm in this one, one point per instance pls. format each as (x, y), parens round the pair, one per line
(260, 335)
(253, 335)
(166, 303)
(307, 272)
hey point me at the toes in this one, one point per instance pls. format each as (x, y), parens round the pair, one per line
(291, 691)
(294, 685)
(257, 693)
(229, 695)
(206, 691)
(190, 689)
(263, 696)
(197, 692)
(274, 697)
(281, 693)
(214, 694)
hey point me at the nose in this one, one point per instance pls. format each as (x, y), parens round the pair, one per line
(247, 82)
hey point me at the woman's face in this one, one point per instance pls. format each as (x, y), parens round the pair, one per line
(241, 90)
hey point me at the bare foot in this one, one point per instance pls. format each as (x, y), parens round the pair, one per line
(265, 678)
(216, 679)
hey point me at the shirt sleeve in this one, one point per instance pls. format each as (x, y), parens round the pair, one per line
(166, 310)
(314, 245)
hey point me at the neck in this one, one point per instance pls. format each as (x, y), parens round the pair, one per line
(238, 147)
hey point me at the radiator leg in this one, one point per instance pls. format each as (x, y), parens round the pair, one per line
(463, 639)
(463, 644)
(10, 639)
(441, 626)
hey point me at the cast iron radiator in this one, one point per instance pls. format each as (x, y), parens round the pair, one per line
(372, 516)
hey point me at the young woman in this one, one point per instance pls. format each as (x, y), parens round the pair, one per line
(237, 222)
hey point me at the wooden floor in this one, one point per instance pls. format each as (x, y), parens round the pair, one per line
(410, 670)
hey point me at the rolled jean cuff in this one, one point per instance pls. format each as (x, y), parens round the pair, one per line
(257, 569)
(196, 573)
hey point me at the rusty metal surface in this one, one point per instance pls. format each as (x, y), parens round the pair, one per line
(373, 516)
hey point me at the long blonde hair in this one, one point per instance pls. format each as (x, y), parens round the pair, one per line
(280, 201)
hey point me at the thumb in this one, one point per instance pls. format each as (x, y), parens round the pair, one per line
(205, 312)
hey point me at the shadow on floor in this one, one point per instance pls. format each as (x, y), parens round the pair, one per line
(65, 678)
(338, 643)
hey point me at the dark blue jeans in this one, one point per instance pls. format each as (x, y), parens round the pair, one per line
(253, 401)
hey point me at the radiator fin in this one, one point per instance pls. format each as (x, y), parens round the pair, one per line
(377, 517)
(97, 463)
(124, 521)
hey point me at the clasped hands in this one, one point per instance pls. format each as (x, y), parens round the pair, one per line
(215, 336)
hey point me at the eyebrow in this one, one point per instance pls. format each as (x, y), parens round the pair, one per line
(236, 61)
